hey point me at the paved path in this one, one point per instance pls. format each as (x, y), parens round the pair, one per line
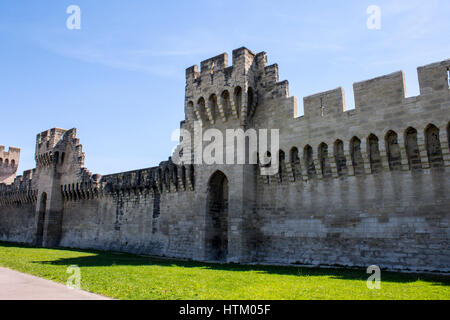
(20, 286)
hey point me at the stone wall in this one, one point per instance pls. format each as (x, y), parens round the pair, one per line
(354, 188)
(9, 162)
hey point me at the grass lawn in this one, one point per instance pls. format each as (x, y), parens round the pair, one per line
(126, 276)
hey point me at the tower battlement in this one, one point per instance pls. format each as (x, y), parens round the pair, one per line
(385, 92)
(9, 162)
(218, 91)
(47, 140)
(345, 181)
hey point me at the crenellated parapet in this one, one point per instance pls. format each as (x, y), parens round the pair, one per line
(386, 132)
(166, 178)
(9, 162)
(377, 95)
(52, 145)
(82, 191)
(218, 93)
(21, 191)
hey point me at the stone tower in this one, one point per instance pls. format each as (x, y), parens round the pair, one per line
(9, 162)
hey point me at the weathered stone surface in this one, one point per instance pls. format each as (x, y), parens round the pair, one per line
(356, 188)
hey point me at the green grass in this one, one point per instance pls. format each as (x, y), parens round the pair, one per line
(126, 276)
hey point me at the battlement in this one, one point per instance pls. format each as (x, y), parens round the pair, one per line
(19, 191)
(10, 157)
(242, 58)
(165, 178)
(47, 140)
(9, 162)
(51, 145)
(218, 91)
(383, 92)
(433, 77)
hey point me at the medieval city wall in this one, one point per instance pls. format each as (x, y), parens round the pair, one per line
(131, 212)
(360, 186)
(17, 210)
(354, 187)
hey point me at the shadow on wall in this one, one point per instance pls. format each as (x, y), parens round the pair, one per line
(105, 259)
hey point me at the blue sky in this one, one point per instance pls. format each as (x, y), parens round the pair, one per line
(120, 79)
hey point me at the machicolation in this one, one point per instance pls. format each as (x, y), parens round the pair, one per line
(353, 187)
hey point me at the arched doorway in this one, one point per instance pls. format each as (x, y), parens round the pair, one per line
(41, 219)
(217, 218)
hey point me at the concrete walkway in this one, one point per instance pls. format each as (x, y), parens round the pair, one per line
(20, 286)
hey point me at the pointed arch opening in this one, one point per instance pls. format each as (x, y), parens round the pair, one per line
(339, 156)
(448, 134)
(393, 151)
(355, 153)
(251, 102)
(323, 158)
(183, 176)
(281, 166)
(216, 235)
(433, 145)
(238, 100)
(309, 161)
(212, 105)
(42, 212)
(412, 149)
(225, 98)
(190, 114)
(295, 163)
(201, 110)
(374, 153)
(192, 174)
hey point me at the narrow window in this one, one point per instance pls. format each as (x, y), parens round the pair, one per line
(192, 175)
(190, 111)
(323, 158)
(251, 103)
(309, 162)
(238, 100)
(156, 209)
(281, 165)
(433, 144)
(183, 176)
(175, 177)
(226, 104)
(393, 151)
(448, 135)
(448, 77)
(355, 153)
(167, 177)
(412, 149)
(374, 153)
(295, 164)
(341, 161)
(212, 104)
(201, 110)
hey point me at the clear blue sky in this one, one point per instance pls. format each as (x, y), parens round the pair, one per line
(120, 79)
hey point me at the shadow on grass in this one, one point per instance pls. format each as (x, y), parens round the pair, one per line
(106, 259)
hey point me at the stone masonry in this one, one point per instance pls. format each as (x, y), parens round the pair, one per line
(354, 188)
(9, 161)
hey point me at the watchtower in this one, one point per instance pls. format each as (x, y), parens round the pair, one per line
(9, 162)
